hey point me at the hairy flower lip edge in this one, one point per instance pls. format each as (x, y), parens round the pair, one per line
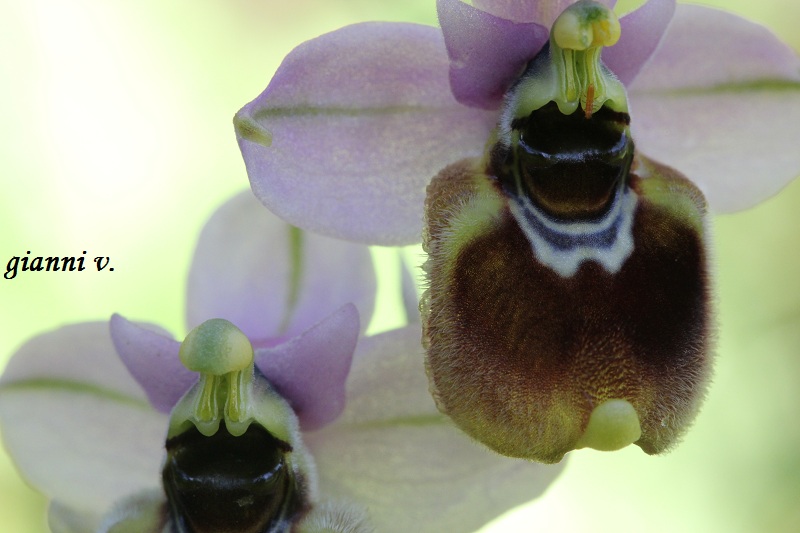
(486, 480)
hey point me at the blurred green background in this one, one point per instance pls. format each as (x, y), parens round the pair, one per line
(116, 138)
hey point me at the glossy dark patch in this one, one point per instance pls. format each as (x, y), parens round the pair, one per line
(230, 484)
(569, 166)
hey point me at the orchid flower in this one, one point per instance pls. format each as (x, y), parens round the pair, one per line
(569, 295)
(85, 410)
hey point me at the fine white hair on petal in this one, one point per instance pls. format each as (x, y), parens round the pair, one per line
(64, 519)
(144, 512)
(336, 517)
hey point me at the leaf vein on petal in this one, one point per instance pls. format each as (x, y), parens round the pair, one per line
(283, 112)
(62, 385)
(734, 87)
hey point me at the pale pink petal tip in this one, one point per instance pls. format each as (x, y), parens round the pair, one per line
(487, 53)
(720, 102)
(642, 31)
(247, 259)
(310, 370)
(541, 12)
(352, 127)
(152, 359)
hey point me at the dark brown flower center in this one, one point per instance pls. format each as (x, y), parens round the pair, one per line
(230, 484)
(570, 166)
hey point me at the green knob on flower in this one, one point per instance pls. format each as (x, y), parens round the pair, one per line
(584, 25)
(570, 73)
(223, 356)
(234, 456)
(216, 347)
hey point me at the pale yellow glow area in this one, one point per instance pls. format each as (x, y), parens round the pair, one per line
(612, 425)
(116, 137)
(580, 27)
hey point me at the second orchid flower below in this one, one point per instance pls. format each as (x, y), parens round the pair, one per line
(277, 408)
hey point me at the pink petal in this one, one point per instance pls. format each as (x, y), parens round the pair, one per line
(542, 12)
(393, 452)
(334, 272)
(310, 370)
(642, 31)
(710, 47)
(77, 425)
(720, 101)
(79, 353)
(351, 129)
(270, 279)
(143, 512)
(152, 359)
(487, 53)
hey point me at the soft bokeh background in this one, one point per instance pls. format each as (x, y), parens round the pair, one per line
(116, 138)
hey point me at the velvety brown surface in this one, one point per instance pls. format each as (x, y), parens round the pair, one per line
(519, 355)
